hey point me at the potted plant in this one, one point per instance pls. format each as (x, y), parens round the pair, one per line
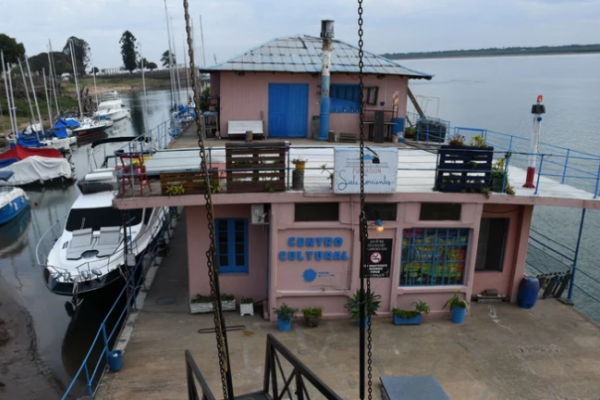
(299, 164)
(246, 306)
(284, 317)
(312, 316)
(201, 304)
(459, 308)
(227, 302)
(410, 133)
(372, 302)
(415, 317)
(462, 168)
(500, 177)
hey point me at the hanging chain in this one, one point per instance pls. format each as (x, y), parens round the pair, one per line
(213, 272)
(363, 217)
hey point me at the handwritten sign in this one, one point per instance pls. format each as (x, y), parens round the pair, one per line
(380, 177)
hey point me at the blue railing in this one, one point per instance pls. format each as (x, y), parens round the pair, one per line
(105, 334)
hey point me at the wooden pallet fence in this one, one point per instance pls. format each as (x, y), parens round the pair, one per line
(465, 169)
(192, 182)
(255, 167)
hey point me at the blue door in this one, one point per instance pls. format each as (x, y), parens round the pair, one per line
(288, 110)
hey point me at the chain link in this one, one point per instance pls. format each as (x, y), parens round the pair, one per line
(213, 272)
(363, 219)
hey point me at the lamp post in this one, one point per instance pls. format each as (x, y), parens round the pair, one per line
(537, 110)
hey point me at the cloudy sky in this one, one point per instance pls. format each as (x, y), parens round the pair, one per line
(233, 26)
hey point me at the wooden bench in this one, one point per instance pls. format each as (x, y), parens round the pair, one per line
(238, 129)
(348, 137)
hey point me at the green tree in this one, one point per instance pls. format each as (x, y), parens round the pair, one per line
(82, 53)
(142, 62)
(94, 71)
(151, 66)
(165, 59)
(61, 61)
(11, 48)
(129, 51)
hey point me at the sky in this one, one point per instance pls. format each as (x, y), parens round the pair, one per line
(234, 26)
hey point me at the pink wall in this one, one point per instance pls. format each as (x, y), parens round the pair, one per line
(215, 83)
(252, 284)
(247, 97)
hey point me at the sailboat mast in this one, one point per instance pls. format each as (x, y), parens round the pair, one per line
(144, 85)
(187, 78)
(76, 82)
(12, 100)
(50, 119)
(31, 118)
(177, 74)
(95, 88)
(53, 76)
(202, 40)
(37, 106)
(10, 117)
(171, 75)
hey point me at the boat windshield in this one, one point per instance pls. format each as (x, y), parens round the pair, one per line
(96, 218)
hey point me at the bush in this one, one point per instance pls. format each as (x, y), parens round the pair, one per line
(246, 300)
(202, 299)
(312, 312)
(405, 313)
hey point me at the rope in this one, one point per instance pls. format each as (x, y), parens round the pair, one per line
(364, 234)
(213, 269)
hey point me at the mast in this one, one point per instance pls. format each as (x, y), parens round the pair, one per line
(202, 40)
(10, 116)
(95, 88)
(76, 82)
(54, 80)
(32, 118)
(12, 99)
(177, 73)
(37, 107)
(144, 86)
(187, 78)
(171, 75)
(47, 98)
(2, 117)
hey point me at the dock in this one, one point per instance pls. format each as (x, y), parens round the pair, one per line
(501, 352)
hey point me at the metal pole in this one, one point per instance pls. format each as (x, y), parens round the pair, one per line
(326, 35)
(572, 283)
(37, 107)
(32, 118)
(10, 116)
(144, 86)
(170, 54)
(537, 110)
(2, 116)
(177, 73)
(76, 82)
(12, 100)
(202, 40)
(95, 88)
(187, 78)
(50, 119)
(53, 80)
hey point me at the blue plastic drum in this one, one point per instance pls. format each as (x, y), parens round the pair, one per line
(528, 292)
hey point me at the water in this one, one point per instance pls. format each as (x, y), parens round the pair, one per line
(63, 340)
(497, 93)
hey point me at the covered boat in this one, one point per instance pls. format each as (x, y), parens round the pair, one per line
(29, 166)
(13, 201)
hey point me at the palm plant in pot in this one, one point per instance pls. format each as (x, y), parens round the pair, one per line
(284, 317)
(312, 316)
(371, 304)
(459, 308)
(413, 317)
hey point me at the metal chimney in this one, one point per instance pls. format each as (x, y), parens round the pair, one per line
(326, 35)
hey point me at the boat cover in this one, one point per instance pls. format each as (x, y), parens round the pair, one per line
(6, 175)
(34, 168)
(66, 123)
(7, 162)
(60, 132)
(21, 153)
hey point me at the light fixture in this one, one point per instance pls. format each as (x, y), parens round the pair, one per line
(379, 226)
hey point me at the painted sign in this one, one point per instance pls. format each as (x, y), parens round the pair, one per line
(379, 257)
(308, 249)
(381, 177)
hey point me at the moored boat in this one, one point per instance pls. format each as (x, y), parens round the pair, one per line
(13, 200)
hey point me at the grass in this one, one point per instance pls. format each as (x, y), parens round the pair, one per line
(23, 113)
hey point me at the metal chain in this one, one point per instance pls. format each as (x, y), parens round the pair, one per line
(363, 217)
(213, 271)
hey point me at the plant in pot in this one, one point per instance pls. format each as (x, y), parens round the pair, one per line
(227, 302)
(299, 164)
(459, 308)
(312, 316)
(201, 304)
(371, 304)
(414, 317)
(500, 177)
(285, 314)
(246, 306)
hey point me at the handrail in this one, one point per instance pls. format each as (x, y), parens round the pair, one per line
(192, 371)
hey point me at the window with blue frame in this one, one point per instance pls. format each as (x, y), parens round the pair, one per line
(345, 98)
(232, 244)
(433, 256)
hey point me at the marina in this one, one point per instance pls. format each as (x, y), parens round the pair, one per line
(309, 219)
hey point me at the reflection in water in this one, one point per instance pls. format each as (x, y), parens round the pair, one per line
(137, 112)
(13, 238)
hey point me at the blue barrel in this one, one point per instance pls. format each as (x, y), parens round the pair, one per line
(115, 360)
(398, 126)
(528, 292)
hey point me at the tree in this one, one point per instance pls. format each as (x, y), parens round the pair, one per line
(128, 51)
(142, 63)
(11, 48)
(82, 53)
(165, 59)
(94, 71)
(61, 61)
(151, 66)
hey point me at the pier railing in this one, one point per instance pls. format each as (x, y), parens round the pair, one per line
(92, 370)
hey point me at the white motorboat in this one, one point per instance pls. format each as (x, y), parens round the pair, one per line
(112, 108)
(89, 128)
(89, 255)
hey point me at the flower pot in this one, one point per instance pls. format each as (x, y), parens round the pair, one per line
(246, 309)
(458, 315)
(418, 320)
(284, 325)
(300, 166)
(312, 321)
(394, 138)
(228, 305)
(366, 321)
(200, 308)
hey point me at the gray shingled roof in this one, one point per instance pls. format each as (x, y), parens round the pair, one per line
(303, 54)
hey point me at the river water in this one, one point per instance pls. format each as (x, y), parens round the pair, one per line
(494, 93)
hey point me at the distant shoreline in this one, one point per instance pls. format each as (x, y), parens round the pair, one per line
(570, 53)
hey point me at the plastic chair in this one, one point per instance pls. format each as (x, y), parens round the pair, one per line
(130, 172)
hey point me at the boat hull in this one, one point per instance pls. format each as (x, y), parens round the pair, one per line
(85, 133)
(86, 287)
(13, 209)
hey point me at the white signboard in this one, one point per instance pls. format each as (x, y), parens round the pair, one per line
(379, 178)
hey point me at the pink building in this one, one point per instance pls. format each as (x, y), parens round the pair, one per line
(279, 83)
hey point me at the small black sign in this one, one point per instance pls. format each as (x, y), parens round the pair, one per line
(379, 258)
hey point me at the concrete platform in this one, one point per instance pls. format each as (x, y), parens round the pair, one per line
(501, 352)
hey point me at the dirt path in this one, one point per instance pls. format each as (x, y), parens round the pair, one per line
(22, 374)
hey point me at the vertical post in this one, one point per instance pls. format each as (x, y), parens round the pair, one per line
(12, 99)
(52, 80)
(537, 110)
(202, 42)
(75, 77)
(537, 186)
(105, 337)
(50, 119)
(2, 117)
(37, 107)
(326, 35)
(5, 74)
(88, 381)
(572, 283)
(510, 143)
(597, 181)
(32, 118)
(566, 162)
(170, 55)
